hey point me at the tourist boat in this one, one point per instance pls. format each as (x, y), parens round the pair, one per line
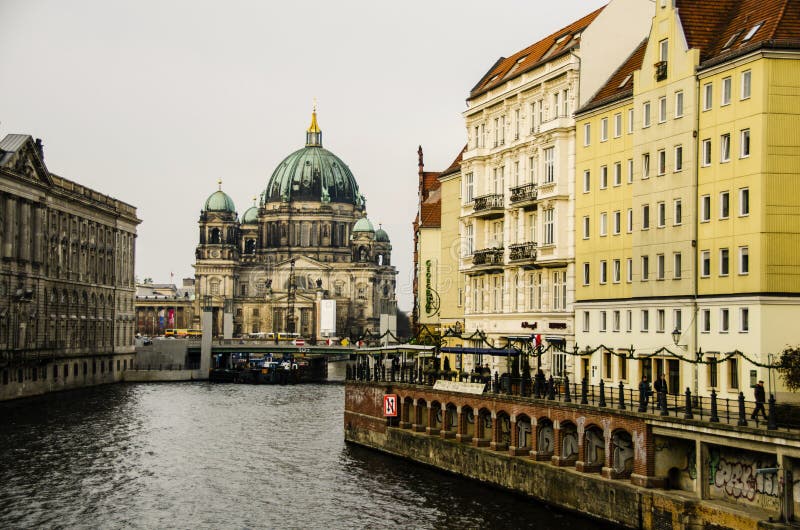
(269, 372)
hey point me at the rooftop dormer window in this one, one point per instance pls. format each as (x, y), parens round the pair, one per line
(731, 40)
(752, 32)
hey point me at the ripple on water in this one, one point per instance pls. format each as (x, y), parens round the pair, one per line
(196, 455)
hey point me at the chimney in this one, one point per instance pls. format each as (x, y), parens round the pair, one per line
(40, 148)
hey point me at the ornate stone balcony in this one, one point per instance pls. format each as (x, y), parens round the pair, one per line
(488, 257)
(521, 195)
(488, 206)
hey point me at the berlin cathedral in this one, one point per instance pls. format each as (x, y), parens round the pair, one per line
(307, 241)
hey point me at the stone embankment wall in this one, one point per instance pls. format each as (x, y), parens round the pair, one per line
(617, 500)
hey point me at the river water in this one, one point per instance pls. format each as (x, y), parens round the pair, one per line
(197, 455)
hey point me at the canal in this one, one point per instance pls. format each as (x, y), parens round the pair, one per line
(196, 455)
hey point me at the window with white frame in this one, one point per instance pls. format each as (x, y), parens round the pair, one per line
(617, 223)
(660, 320)
(587, 181)
(603, 321)
(516, 124)
(586, 273)
(724, 320)
(646, 115)
(646, 165)
(630, 121)
(496, 132)
(629, 320)
(645, 217)
(662, 161)
(677, 212)
(745, 90)
(549, 226)
(662, 109)
(645, 320)
(661, 213)
(726, 91)
(676, 265)
(678, 158)
(705, 321)
(724, 267)
(629, 219)
(708, 96)
(585, 227)
(724, 205)
(744, 261)
(615, 321)
(560, 290)
(615, 271)
(725, 147)
(617, 173)
(603, 271)
(705, 208)
(603, 129)
(603, 224)
(630, 170)
(645, 268)
(679, 104)
(629, 270)
(744, 319)
(565, 102)
(533, 117)
(705, 263)
(587, 133)
(744, 202)
(586, 321)
(744, 143)
(549, 164)
(555, 105)
(660, 266)
(617, 125)
(468, 240)
(677, 319)
(603, 177)
(705, 152)
(469, 192)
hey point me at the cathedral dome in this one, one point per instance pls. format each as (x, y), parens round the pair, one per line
(363, 225)
(313, 174)
(219, 202)
(381, 236)
(250, 216)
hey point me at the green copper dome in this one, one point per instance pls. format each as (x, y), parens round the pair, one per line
(250, 216)
(381, 236)
(313, 174)
(219, 202)
(363, 225)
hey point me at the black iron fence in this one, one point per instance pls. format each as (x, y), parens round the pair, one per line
(713, 409)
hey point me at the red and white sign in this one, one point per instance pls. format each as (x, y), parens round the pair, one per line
(390, 405)
(299, 342)
(328, 342)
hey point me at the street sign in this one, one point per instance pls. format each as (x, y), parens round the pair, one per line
(390, 405)
(299, 342)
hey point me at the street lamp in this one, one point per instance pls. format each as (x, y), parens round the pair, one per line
(676, 336)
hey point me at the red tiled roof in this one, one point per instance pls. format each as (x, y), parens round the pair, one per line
(527, 59)
(719, 28)
(620, 84)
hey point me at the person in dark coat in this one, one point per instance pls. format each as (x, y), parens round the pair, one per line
(539, 383)
(644, 394)
(761, 398)
(660, 385)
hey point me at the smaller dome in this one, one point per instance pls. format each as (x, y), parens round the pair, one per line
(381, 236)
(219, 202)
(250, 216)
(363, 225)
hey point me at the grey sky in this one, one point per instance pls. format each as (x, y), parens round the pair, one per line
(152, 101)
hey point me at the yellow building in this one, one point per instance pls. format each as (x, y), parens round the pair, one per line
(709, 266)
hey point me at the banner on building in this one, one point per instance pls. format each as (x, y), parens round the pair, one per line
(171, 318)
(327, 318)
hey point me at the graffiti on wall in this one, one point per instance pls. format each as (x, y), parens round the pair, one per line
(524, 433)
(623, 452)
(737, 477)
(595, 446)
(545, 439)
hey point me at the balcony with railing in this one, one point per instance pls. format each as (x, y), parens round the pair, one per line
(522, 252)
(488, 206)
(521, 195)
(487, 258)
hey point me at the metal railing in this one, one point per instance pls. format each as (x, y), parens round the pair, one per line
(712, 409)
(526, 192)
(487, 202)
(488, 256)
(522, 251)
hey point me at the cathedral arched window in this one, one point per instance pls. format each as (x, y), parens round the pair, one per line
(380, 259)
(215, 236)
(214, 287)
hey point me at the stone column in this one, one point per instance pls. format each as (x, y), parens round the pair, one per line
(701, 458)
(461, 433)
(430, 429)
(446, 426)
(417, 421)
(644, 462)
(557, 444)
(25, 231)
(9, 234)
(496, 444)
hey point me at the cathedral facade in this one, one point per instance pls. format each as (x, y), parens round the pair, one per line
(307, 244)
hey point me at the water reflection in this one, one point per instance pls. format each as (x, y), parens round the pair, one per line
(196, 455)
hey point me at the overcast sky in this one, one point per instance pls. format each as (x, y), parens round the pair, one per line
(152, 102)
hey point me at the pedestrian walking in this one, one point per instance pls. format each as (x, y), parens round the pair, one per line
(660, 386)
(761, 398)
(644, 394)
